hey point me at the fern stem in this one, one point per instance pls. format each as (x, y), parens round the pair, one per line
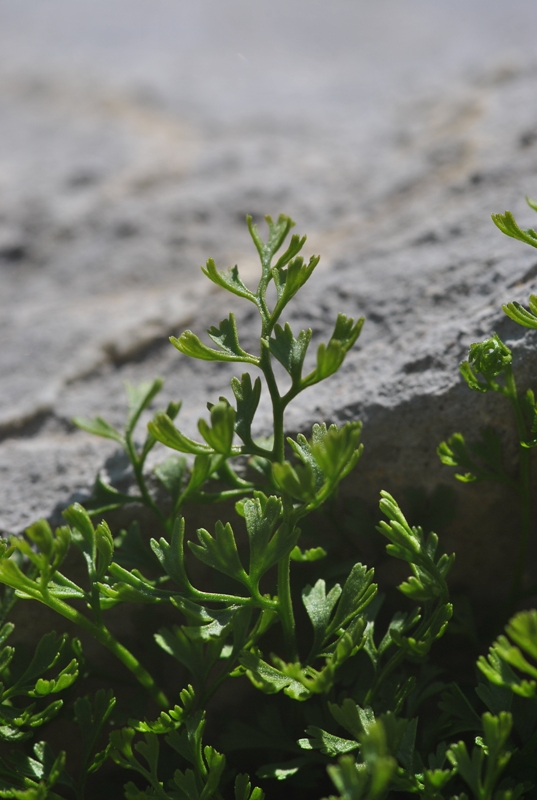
(285, 602)
(137, 467)
(103, 635)
(524, 488)
(525, 526)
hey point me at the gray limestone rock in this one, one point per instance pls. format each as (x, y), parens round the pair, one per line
(112, 196)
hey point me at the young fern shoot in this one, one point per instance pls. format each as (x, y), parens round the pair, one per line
(325, 460)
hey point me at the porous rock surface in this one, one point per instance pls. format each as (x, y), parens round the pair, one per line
(111, 201)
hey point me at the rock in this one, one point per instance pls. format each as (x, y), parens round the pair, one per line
(100, 259)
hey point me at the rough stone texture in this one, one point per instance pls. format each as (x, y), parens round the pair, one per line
(122, 170)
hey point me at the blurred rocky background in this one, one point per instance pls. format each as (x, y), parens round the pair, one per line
(136, 135)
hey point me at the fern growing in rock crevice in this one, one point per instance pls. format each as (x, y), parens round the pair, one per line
(372, 713)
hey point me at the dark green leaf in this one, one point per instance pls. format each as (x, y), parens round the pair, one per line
(105, 498)
(489, 464)
(226, 338)
(247, 397)
(171, 554)
(326, 742)
(203, 467)
(297, 481)
(490, 755)
(319, 607)
(269, 679)
(132, 551)
(358, 592)
(289, 351)
(183, 649)
(46, 655)
(216, 763)
(91, 714)
(352, 717)
(188, 743)
(207, 624)
(496, 698)
(170, 473)
(459, 714)
(349, 781)
(266, 547)
(219, 435)
(243, 789)
(220, 552)
(406, 748)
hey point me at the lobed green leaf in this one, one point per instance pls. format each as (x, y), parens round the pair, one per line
(163, 430)
(277, 234)
(326, 742)
(269, 541)
(330, 357)
(271, 680)
(297, 481)
(519, 314)
(319, 607)
(289, 279)
(99, 427)
(219, 435)
(170, 473)
(226, 338)
(220, 552)
(171, 554)
(229, 280)
(247, 397)
(508, 225)
(191, 345)
(289, 351)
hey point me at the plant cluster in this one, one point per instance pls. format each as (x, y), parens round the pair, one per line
(349, 702)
